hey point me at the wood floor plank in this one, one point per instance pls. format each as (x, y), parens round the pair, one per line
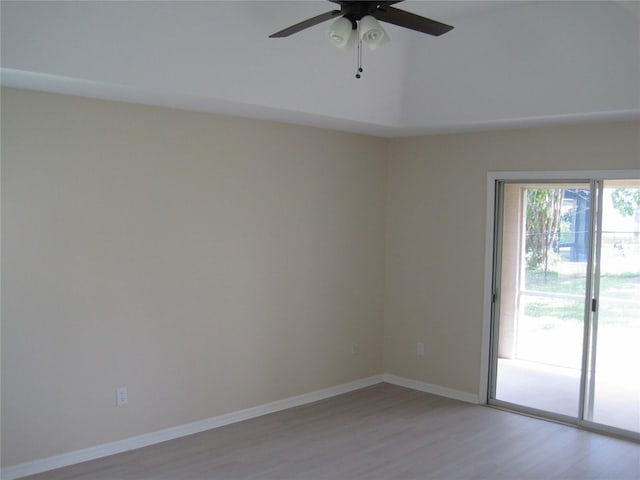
(379, 432)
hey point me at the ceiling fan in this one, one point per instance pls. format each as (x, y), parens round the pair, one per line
(354, 11)
(362, 18)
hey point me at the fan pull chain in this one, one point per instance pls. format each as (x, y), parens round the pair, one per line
(359, 71)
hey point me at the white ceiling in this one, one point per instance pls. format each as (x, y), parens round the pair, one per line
(505, 63)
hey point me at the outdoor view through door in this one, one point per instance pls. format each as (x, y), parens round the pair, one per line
(566, 314)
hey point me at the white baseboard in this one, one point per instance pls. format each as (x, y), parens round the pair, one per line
(431, 388)
(119, 446)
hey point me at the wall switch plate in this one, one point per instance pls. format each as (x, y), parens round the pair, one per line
(420, 349)
(122, 396)
(355, 349)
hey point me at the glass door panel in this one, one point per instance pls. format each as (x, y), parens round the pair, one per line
(613, 392)
(543, 240)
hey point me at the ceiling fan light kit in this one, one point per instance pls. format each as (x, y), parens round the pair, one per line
(371, 33)
(340, 32)
(358, 23)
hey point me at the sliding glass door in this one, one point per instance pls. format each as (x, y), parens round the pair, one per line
(566, 301)
(613, 369)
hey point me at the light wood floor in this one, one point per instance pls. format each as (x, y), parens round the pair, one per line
(380, 432)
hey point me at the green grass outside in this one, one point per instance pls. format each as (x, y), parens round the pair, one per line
(621, 286)
(624, 285)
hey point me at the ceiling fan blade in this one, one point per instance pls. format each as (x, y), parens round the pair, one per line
(411, 21)
(310, 22)
(380, 2)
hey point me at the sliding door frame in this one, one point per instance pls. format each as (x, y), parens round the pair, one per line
(497, 292)
(492, 235)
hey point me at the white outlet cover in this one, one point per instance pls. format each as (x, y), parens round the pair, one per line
(122, 396)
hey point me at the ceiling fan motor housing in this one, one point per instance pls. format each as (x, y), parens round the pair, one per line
(354, 11)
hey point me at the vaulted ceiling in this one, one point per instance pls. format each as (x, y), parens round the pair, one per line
(505, 63)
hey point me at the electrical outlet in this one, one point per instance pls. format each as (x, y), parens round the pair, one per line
(355, 349)
(122, 396)
(420, 349)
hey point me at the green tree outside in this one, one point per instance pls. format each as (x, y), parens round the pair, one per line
(626, 200)
(544, 208)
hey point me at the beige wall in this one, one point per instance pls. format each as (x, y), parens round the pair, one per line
(207, 263)
(211, 264)
(512, 251)
(435, 240)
